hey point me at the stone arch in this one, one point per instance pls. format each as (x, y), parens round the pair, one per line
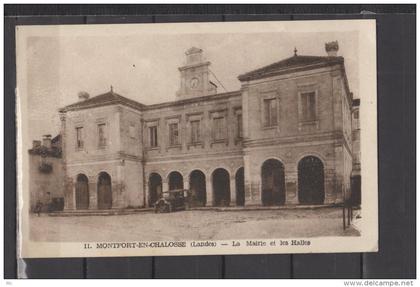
(273, 183)
(175, 180)
(204, 171)
(311, 180)
(221, 187)
(314, 154)
(82, 191)
(155, 170)
(271, 157)
(155, 187)
(211, 170)
(104, 187)
(197, 182)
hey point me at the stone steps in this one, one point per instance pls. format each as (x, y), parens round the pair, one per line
(282, 207)
(99, 212)
(108, 212)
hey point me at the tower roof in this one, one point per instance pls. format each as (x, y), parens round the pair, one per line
(292, 64)
(108, 98)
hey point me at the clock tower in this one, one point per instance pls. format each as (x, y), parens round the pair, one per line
(195, 76)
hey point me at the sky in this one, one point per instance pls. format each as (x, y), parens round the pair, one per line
(143, 65)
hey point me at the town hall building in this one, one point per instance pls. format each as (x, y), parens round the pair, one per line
(285, 138)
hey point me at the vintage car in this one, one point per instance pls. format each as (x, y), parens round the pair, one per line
(172, 200)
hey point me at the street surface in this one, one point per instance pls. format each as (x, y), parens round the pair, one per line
(192, 225)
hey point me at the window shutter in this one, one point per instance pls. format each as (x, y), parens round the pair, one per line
(273, 112)
(266, 113)
(312, 106)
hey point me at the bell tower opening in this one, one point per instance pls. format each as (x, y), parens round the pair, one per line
(195, 76)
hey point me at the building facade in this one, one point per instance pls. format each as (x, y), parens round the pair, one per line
(356, 176)
(284, 138)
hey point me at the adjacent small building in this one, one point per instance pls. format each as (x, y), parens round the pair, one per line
(46, 173)
(286, 137)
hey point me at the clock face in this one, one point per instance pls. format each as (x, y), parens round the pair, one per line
(194, 83)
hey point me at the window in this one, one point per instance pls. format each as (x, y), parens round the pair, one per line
(195, 131)
(132, 131)
(270, 112)
(101, 135)
(239, 126)
(219, 128)
(308, 106)
(153, 139)
(356, 115)
(79, 137)
(173, 134)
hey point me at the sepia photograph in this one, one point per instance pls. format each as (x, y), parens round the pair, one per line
(197, 138)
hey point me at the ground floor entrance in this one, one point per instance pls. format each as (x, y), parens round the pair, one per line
(221, 187)
(311, 181)
(104, 191)
(198, 188)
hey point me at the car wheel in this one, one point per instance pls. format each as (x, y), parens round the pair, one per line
(162, 207)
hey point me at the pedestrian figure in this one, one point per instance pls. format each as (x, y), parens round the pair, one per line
(38, 207)
(49, 203)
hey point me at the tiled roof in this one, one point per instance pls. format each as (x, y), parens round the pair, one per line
(113, 98)
(109, 98)
(292, 64)
(194, 100)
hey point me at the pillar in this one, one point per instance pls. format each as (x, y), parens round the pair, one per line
(118, 188)
(69, 195)
(252, 183)
(93, 193)
(333, 187)
(116, 195)
(209, 191)
(291, 178)
(147, 190)
(186, 182)
(245, 112)
(117, 122)
(334, 177)
(165, 185)
(232, 191)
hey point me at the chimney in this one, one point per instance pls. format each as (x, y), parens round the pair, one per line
(46, 141)
(83, 96)
(331, 48)
(36, 144)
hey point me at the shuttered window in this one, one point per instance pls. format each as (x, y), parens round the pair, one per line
(308, 106)
(79, 137)
(239, 126)
(270, 112)
(153, 138)
(102, 135)
(173, 134)
(219, 128)
(195, 131)
(132, 131)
